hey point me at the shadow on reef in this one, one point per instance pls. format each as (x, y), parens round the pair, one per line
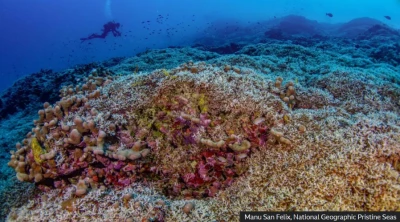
(29, 92)
(379, 41)
(230, 48)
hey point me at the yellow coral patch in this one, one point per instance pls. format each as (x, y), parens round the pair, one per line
(37, 150)
(137, 83)
(203, 104)
(193, 164)
(166, 73)
(286, 118)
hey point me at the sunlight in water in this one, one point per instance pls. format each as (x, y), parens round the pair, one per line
(108, 9)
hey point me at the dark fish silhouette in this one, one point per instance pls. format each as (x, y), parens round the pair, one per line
(387, 17)
(329, 14)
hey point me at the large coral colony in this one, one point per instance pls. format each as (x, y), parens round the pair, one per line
(183, 140)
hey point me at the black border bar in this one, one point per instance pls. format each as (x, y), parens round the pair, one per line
(319, 216)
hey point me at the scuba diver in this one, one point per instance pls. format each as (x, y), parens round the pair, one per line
(108, 27)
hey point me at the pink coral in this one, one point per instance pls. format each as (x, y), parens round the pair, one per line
(201, 158)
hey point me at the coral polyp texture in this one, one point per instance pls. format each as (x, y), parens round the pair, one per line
(199, 138)
(187, 137)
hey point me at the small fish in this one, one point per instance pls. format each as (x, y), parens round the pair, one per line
(387, 17)
(329, 14)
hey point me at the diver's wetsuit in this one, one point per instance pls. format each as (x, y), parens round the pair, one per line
(108, 27)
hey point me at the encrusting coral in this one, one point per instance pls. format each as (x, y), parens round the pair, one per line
(36, 150)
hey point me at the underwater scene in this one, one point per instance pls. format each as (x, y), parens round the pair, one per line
(187, 110)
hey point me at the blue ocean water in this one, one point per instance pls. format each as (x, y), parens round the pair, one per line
(45, 34)
(331, 68)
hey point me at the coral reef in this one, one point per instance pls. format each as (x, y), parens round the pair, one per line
(185, 134)
(183, 140)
